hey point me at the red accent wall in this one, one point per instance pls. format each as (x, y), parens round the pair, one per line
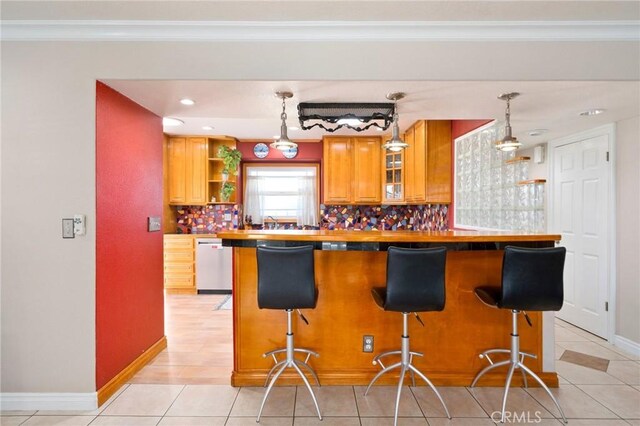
(129, 275)
(459, 128)
(462, 127)
(308, 152)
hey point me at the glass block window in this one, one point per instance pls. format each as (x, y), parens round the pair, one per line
(491, 186)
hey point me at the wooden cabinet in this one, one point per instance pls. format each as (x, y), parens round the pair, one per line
(439, 153)
(366, 162)
(187, 162)
(419, 161)
(351, 170)
(195, 170)
(179, 262)
(215, 166)
(427, 164)
(393, 177)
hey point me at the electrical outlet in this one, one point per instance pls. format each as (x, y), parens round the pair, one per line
(367, 343)
(227, 217)
(67, 228)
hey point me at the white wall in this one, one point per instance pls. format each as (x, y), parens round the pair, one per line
(48, 158)
(628, 234)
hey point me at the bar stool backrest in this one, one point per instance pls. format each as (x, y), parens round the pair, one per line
(532, 278)
(286, 278)
(415, 279)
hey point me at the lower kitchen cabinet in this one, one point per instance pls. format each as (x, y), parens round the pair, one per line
(179, 264)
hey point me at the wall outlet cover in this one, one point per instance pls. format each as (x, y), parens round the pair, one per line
(67, 228)
(153, 223)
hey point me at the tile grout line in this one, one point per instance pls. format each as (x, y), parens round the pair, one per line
(417, 402)
(477, 402)
(605, 407)
(232, 405)
(355, 399)
(173, 402)
(295, 398)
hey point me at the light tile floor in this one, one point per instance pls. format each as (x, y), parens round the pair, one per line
(588, 397)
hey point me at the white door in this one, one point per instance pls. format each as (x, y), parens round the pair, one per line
(580, 215)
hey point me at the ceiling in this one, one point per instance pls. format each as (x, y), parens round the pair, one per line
(249, 109)
(314, 10)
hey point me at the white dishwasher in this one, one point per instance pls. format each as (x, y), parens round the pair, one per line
(213, 266)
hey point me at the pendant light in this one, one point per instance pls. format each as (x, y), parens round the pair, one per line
(395, 144)
(508, 142)
(283, 143)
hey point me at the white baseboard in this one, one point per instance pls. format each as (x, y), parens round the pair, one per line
(627, 345)
(48, 401)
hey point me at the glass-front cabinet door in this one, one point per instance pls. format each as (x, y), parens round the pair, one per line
(393, 191)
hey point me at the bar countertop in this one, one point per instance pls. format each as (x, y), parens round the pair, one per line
(456, 236)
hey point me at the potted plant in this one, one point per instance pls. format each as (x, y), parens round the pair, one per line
(226, 191)
(230, 158)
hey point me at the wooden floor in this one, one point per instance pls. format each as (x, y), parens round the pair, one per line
(199, 343)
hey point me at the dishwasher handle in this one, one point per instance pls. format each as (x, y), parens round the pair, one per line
(217, 246)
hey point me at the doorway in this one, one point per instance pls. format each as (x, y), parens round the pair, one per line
(582, 212)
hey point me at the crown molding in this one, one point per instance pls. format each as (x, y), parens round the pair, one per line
(95, 30)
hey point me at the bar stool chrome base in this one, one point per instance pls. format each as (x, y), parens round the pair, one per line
(406, 366)
(290, 362)
(515, 361)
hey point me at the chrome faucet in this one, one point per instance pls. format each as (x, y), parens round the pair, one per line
(275, 221)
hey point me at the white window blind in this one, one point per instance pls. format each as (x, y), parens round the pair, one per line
(282, 192)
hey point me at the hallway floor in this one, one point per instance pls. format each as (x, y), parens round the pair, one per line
(187, 385)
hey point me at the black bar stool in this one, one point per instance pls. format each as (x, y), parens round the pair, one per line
(286, 281)
(415, 283)
(531, 281)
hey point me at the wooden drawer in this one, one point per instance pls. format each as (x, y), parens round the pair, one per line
(178, 268)
(180, 281)
(178, 256)
(178, 242)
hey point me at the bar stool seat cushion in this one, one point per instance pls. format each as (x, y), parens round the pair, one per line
(379, 295)
(490, 296)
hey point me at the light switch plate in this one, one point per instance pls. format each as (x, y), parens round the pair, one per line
(153, 223)
(67, 228)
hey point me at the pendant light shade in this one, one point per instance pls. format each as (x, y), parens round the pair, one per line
(283, 143)
(508, 142)
(395, 144)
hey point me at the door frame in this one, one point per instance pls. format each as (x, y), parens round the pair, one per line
(608, 130)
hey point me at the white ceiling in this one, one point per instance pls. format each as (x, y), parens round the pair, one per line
(331, 10)
(249, 109)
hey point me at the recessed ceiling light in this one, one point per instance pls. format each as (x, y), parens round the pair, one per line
(171, 122)
(380, 129)
(294, 128)
(538, 132)
(594, 111)
(207, 127)
(276, 136)
(187, 101)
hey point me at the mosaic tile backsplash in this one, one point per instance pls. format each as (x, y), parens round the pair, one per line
(208, 219)
(429, 217)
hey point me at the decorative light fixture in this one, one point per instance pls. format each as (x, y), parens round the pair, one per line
(358, 116)
(283, 143)
(395, 144)
(508, 142)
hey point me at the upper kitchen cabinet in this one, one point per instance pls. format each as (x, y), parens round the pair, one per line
(195, 170)
(187, 162)
(351, 170)
(220, 183)
(439, 153)
(428, 162)
(393, 177)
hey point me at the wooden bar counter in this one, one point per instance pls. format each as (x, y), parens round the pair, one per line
(347, 265)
